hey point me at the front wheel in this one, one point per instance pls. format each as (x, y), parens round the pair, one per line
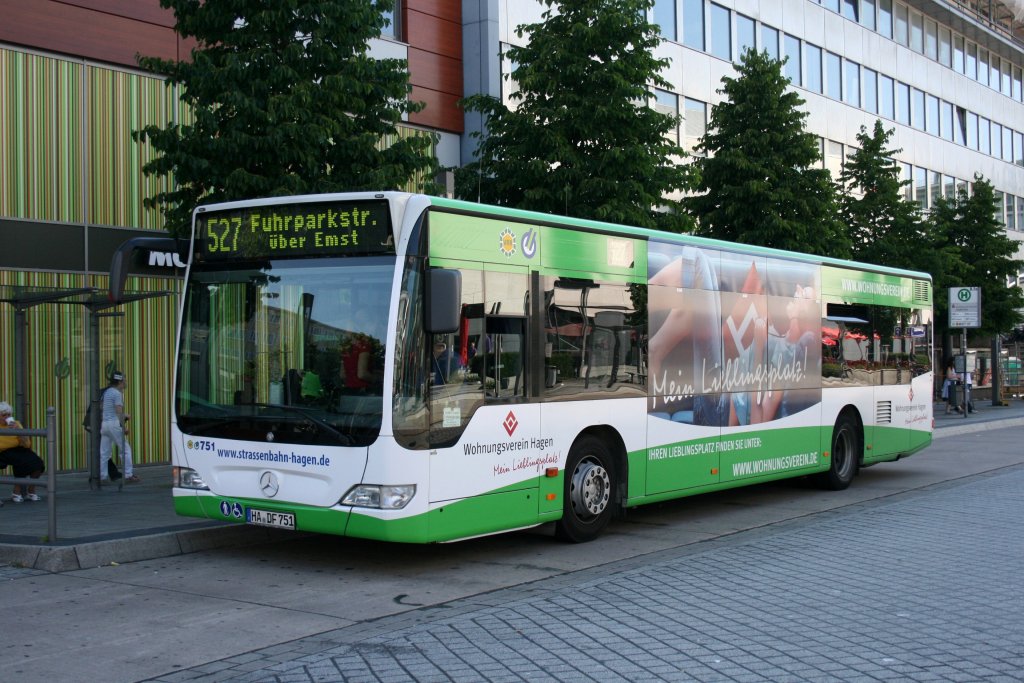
(589, 492)
(845, 457)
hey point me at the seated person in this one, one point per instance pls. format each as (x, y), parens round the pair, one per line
(15, 453)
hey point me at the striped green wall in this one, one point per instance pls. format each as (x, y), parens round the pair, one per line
(67, 152)
(41, 148)
(140, 342)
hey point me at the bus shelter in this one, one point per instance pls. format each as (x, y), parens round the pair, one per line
(98, 303)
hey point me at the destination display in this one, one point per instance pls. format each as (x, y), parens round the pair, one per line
(337, 228)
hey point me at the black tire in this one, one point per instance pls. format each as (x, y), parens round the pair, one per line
(589, 492)
(844, 460)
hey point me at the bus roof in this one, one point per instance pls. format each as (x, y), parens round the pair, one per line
(649, 233)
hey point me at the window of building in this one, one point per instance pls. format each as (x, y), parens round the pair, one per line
(695, 119)
(852, 83)
(885, 18)
(693, 24)
(931, 114)
(770, 41)
(834, 76)
(1007, 144)
(746, 32)
(903, 103)
(958, 53)
(668, 103)
(831, 4)
(971, 69)
(1011, 212)
(1020, 213)
(917, 108)
(921, 187)
(999, 207)
(946, 120)
(392, 29)
(1016, 88)
(1004, 71)
(934, 186)
(984, 133)
(1018, 150)
(948, 186)
(972, 130)
(997, 140)
(931, 39)
(834, 158)
(812, 57)
(870, 90)
(665, 18)
(993, 71)
(886, 103)
(902, 23)
(945, 46)
(867, 13)
(849, 9)
(983, 66)
(963, 187)
(916, 31)
(960, 126)
(721, 32)
(793, 66)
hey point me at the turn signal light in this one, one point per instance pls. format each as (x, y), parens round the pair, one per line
(551, 472)
(552, 496)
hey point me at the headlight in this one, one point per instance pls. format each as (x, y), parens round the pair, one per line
(188, 478)
(381, 497)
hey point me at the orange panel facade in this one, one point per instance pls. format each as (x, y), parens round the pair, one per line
(434, 34)
(103, 30)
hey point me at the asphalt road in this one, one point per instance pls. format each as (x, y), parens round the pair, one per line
(289, 610)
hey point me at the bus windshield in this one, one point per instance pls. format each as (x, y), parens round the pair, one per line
(287, 350)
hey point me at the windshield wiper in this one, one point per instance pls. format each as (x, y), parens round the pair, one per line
(345, 439)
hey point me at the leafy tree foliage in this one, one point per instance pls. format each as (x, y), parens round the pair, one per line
(985, 256)
(581, 139)
(283, 98)
(884, 227)
(761, 181)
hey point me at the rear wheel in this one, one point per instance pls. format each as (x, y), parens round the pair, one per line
(845, 458)
(588, 494)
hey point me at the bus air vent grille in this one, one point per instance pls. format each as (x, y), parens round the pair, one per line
(883, 412)
(922, 291)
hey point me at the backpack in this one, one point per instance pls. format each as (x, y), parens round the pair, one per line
(87, 420)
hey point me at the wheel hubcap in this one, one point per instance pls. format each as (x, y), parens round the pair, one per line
(591, 489)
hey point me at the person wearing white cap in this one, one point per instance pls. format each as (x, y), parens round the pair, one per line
(114, 429)
(15, 452)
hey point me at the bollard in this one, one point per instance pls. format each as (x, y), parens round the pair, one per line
(51, 472)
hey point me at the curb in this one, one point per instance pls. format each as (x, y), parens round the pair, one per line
(90, 554)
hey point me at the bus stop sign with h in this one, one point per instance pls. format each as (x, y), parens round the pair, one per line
(964, 313)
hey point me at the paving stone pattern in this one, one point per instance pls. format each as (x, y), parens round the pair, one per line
(924, 587)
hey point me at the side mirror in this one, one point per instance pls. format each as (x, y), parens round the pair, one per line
(444, 300)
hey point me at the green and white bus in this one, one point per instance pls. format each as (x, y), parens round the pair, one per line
(418, 369)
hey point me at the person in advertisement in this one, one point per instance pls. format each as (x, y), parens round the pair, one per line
(114, 430)
(15, 452)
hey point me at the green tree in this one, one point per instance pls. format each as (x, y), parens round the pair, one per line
(884, 227)
(582, 139)
(282, 98)
(985, 256)
(761, 181)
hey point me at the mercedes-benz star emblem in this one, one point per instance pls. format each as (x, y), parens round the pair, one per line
(269, 484)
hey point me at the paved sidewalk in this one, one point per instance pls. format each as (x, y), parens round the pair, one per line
(138, 522)
(923, 586)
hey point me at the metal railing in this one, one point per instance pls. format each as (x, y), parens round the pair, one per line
(50, 481)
